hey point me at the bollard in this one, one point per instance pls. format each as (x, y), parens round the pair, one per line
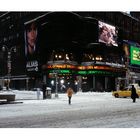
(38, 93)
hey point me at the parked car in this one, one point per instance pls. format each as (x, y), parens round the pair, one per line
(126, 92)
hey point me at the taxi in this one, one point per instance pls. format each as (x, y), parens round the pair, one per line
(126, 92)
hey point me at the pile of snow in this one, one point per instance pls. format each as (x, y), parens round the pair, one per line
(5, 92)
(32, 95)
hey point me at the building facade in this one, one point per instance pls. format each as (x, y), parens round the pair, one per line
(89, 51)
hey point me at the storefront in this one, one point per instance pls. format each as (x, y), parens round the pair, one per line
(85, 78)
(100, 78)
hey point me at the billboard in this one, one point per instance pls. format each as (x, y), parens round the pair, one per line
(134, 55)
(107, 34)
(31, 36)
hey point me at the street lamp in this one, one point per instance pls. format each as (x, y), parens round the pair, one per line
(56, 86)
(9, 51)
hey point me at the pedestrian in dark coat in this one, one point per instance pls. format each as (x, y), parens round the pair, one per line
(69, 94)
(134, 95)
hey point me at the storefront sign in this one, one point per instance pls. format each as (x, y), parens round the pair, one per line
(58, 66)
(135, 55)
(32, 66)
(96, 72)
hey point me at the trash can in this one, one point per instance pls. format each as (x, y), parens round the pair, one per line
(48, 93)
(44, 91)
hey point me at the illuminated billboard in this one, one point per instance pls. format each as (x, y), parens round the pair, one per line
(134, 55)
(30, 35)
(107, 34)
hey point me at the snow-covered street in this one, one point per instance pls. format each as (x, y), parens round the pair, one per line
(88, 110)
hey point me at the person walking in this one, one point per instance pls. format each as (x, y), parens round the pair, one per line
(134, 95)
(69, 94)
(63, 87)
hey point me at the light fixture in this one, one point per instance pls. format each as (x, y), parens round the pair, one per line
(62, 81)
(60, 56)
(67, 57)
(52, 82)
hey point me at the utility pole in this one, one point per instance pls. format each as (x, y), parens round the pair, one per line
(56, 85)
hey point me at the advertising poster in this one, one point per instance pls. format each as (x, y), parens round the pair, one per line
(31, 47)
(107, 34)
(135, 55)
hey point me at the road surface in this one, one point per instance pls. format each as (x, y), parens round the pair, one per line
(86, 111)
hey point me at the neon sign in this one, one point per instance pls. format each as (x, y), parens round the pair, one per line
(135, 55)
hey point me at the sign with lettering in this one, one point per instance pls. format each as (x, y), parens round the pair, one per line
(134, 55)
(32, 66)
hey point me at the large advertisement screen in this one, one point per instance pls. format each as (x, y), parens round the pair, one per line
(108, 34)
(134, 55)
(31, 35)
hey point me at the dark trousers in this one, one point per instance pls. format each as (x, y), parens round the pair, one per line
(134, 100)
(69, 100)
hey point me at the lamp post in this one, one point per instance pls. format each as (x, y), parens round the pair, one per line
(56, 85)
(9, 51)
(55, 75)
